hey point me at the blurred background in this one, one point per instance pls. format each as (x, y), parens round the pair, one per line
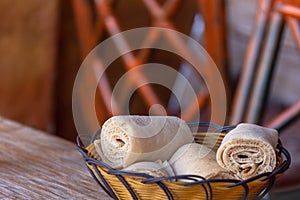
(43, 43)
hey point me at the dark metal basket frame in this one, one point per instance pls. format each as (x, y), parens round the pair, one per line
(197, 180)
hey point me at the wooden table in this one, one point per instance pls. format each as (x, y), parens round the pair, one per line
(36, 165)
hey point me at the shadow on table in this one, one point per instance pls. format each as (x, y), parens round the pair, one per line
(293, 194)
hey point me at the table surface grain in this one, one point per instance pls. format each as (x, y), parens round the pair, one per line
(37, 165)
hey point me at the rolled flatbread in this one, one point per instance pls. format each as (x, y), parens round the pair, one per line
(127, 139)
(197, 159)
(248, 150)
(155, 169)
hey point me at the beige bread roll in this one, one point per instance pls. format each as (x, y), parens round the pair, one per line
(127, 139)
(155, 169)
(248, 150)
(197, 159)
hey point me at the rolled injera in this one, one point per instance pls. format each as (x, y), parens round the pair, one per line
(197, 159)
(127, 139)
(248, 150)
(155, 169)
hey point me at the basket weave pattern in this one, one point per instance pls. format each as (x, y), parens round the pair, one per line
(124, 185)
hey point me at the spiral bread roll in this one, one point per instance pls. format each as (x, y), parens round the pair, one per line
(248, 150)
(127, 139)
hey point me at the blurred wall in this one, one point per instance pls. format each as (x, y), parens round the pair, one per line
(40, 56)
(28, 31)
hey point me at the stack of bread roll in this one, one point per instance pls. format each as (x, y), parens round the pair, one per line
(163, 146)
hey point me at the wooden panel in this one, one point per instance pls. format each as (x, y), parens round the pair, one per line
(69, 61)
(27, 49)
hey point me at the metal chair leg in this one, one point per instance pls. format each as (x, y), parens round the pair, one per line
(265, 70)
(252, 55)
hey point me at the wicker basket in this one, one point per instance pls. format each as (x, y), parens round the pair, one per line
(124, 185)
